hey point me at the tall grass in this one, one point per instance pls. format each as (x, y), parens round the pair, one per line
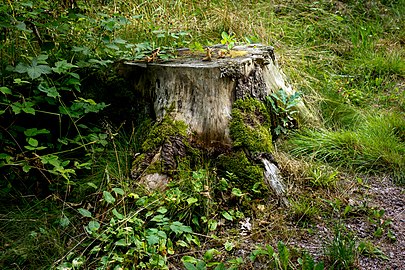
(377, 145)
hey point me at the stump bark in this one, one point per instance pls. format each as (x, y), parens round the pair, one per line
(201, 93)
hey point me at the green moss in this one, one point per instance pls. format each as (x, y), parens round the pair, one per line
(161, 131)
(250, 126)
(237, 163)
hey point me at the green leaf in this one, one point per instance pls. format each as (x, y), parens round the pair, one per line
(117, 214)
(50, 91)
(159, 218)
(5, 90)
(22, 27)
(201, 265)
(284, 254)
(33, 142)
(192, 200)
(93, 226)
(26, 107)
(35, 71)
(122, 242)
(92, 185)
(26, 168)
(189, 266)
(237, 192)
(178, 228)
(31, 132)
(181, 243)
(227, 216)
(119, 191)
(84, 212)
(64, 221)
(62, 66)
(212, 225)
(152, 239)
(228, 246)
(18, 81)
(162, 210)
(108, 197)
(209, 254)
(189, 259)
(220, 266)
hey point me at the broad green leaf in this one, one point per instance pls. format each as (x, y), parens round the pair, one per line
(5, 90)
(181, 243)
(62, 66)
(117, 214)
(122, 242)
(28, 110)
(189, 266)
(92, 185)
(50, 91)
(120, 41)
(31, 132)
(209, 254)
(95, 249)
(33, 142)
(178, 228)
(119, 191)
(35, 71)
(64, 221)
(228, 246)
(162, 210)
(41, 59)
(108, 197)
(192, 200)
(152, 239)
(84, 212)
(26, 107)
(113, 47)
(189, 259)
(220, 266)
(159, 218)
(226, 215)
(21, 68)
(16, 107)
(4, 156)
(212, 225)
(26, 168)
(237, 192)
(93, 226)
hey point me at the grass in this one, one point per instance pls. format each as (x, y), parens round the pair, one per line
(377, 145)
(30, 234)
(341, 250)
(347, 57)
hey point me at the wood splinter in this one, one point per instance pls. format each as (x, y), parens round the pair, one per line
(208, 56)
(154, 55)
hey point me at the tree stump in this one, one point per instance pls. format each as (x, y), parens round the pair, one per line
(202, 93)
